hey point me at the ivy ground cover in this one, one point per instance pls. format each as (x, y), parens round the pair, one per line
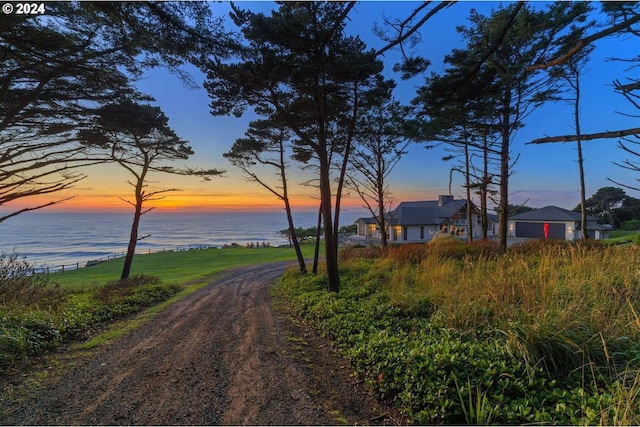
(457, 333)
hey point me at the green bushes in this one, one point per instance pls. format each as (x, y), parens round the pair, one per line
(37, 315)
(19, 287)
(632, 224)
(547, 333)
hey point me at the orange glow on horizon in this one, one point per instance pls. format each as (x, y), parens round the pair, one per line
(178, 202)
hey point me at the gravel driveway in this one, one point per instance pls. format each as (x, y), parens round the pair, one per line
(218, 356)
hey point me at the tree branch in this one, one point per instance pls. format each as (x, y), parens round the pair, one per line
(402, 37)
(582, 43)
(18, 212)
(587, 137)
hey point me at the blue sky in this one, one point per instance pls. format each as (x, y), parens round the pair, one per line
(545, 174)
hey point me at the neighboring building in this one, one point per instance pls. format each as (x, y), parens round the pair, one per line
(559, 224)
(421, 221)
(368, 228)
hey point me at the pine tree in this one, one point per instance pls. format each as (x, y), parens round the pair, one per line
(299, 66)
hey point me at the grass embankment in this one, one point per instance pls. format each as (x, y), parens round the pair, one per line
(457, 333)
(37, 313)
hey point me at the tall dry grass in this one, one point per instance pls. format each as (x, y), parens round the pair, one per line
(564, 306)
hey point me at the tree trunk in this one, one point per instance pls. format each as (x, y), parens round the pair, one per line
(382, 222)
(133, 237)
(330, 242)
(287, 207)
(468, 185)
(484, 190)
(503, 226)
(612, 219)
(133, 240)
(294, 238)
(316, 253)
(583, 194)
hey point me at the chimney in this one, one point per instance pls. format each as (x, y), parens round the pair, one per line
(442, 199)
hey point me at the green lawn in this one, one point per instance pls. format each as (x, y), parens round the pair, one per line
(177, 267)
(614, 234)
(620, 237)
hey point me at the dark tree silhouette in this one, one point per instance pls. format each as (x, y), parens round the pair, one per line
(57, 68)
(265, 144)
(462, 112)
(570, 73)
(299, 66)
(604, 202)
(519, 36)
(138, 138)
(623, 19)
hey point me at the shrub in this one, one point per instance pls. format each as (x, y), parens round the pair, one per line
(123, 297)
(118, 289)
(19, 286)
(28, 331)
(632, 224)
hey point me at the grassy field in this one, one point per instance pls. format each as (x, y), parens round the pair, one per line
(620, 237)
(176, 267)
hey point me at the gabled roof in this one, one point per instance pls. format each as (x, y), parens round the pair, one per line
(551, 213)
(428, 212)
(602, 227)
(367, 220)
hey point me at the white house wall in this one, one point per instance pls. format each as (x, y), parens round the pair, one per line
(413, 233)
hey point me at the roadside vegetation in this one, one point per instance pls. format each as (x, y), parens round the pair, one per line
(449, 332)
(39, 312)
(458, 333)
(623, 236)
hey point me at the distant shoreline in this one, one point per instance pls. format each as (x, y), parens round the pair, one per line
(57, 238)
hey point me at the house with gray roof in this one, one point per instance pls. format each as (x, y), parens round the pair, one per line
(421, 221)
(556, 223)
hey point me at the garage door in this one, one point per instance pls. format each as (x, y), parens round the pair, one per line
(536, 230)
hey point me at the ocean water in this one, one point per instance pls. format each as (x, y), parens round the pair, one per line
(52, 239)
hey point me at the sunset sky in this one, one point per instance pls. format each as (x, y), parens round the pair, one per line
(545, 174)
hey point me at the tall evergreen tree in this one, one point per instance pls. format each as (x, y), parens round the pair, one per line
(604, 202)
(138, 138)
(461, 112)
(530, 36)
(570, 74)
(299, 66)
(57, 68)
(621, 19)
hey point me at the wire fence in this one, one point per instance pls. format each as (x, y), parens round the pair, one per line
(74, 266)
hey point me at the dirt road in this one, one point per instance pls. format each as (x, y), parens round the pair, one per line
(219, 356)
